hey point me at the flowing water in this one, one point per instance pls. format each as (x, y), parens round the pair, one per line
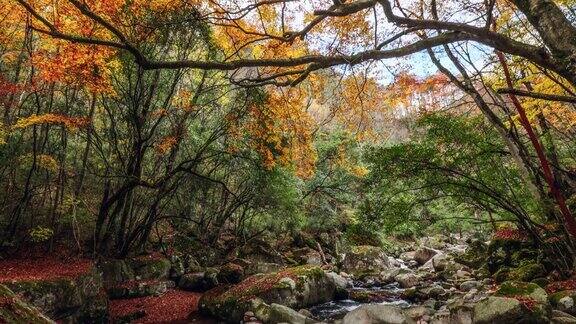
(333, 310)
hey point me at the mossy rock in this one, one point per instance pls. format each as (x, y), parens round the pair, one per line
(523, 256)
(475, 255)
(498, 310)
(502, 274)
(527, 272)
(150, 267)
(365, 260)
(132, 289)
(507, 253)
(59, 298)
(542, 282)
(115, 271)
(231, 273)
(564, 301)
(296, 287)
(79, 299)
(15, 311)
(524, 289)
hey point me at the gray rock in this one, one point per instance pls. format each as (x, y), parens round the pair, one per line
(339, 281)
(407, 256)
(559, 317)
(365, 259)
(283, 314)
(440, 261)
(469, 285)
(407, 280)
(193, 282)
(137, 288)
(262, 267)
(377, 314)
(424, 254)
(498, 310)
(418, 312)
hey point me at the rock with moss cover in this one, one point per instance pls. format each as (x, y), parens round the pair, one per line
(475, 255)
(115, 271)
(15, 311)
(525, 272)
(297, 287)
(150, 267)
(79, 299)
(533, 298)
(498, 310)
(365, 260)
(424, 254)
(523, 289)
(564, 301)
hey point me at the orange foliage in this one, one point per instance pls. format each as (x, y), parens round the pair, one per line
(71, 123)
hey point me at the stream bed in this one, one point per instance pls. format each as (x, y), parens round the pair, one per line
(390, 294)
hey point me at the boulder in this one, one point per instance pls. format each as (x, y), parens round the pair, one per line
(282, 314)
(377, 314)
(475, 255)
(231, 273)
(526, 272)
(418, 312)
(407, 280)
(15, 311)
(115, 272)
(564, 301)
(407, 256)
(424, 254)
(150, 267)
(194, 282)
(365, 260)
(341, 284)
(469, 285)
(178, 267)
(523, 289)
(498, 310)
(440, 262)
(262, 267)
(79, 298)
(559, 317)
(533, 298)
(138, 288)
(297, 287)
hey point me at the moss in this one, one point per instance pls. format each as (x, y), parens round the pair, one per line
(527, 272)
(516, 288)
(502, 274)
(368, 250)
(542, 282)
(555, 297)
(523, 256)
(230, 302)
(150, 267)
(15, 311)
(475, 255)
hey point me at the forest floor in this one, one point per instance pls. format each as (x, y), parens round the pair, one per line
(175, 306)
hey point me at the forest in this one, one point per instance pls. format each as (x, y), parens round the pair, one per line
(288, 161)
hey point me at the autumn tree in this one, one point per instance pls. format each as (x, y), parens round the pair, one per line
(279, 43)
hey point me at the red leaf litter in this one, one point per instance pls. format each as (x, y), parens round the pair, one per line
(569, 284)
(43, 269)
(175, 306)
